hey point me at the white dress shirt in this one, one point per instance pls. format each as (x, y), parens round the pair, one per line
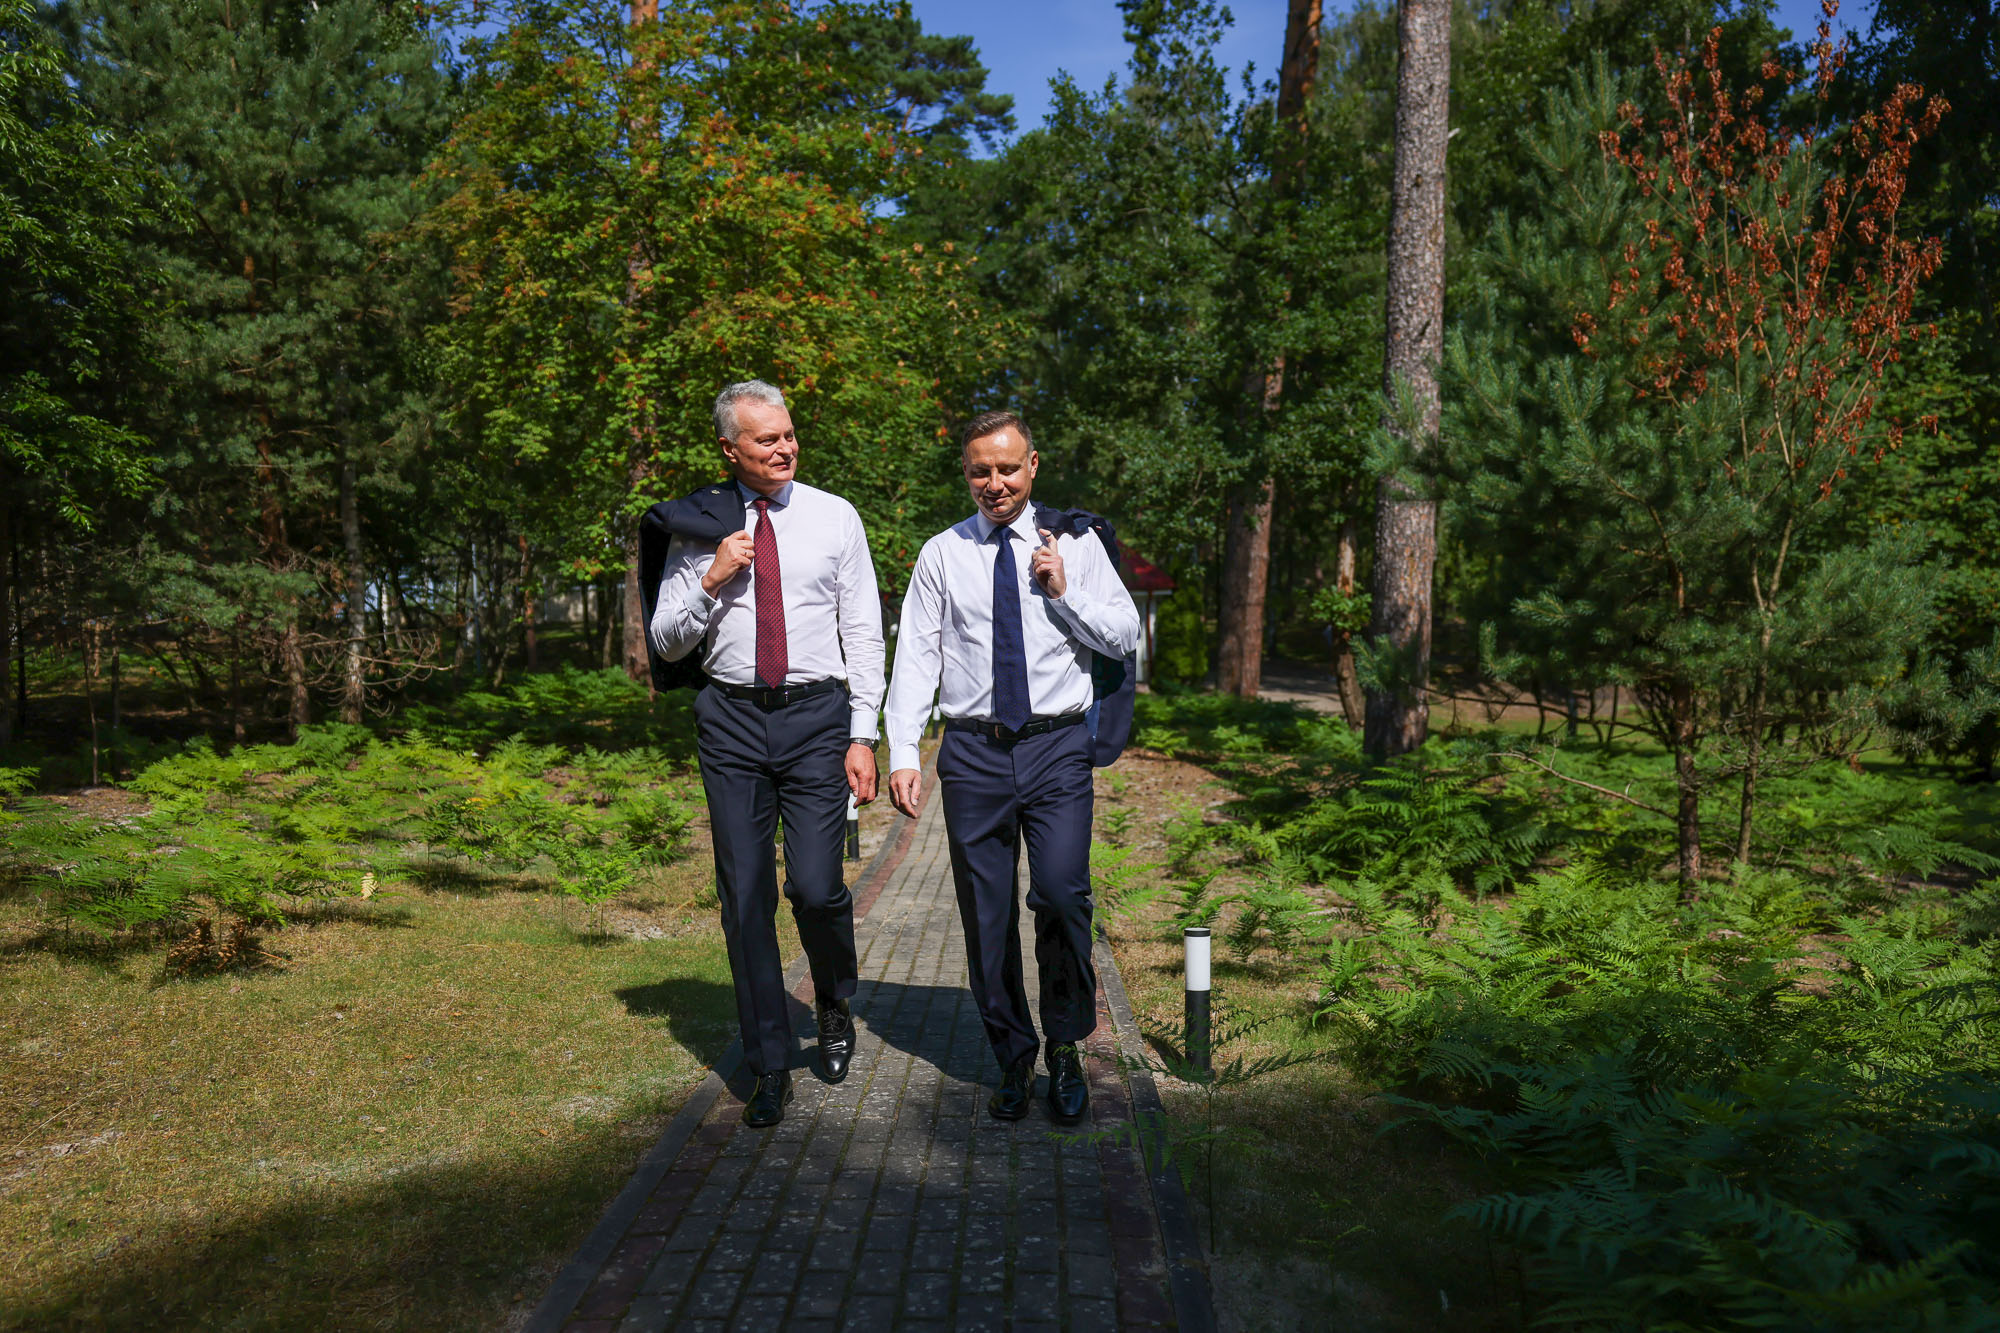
(833, 614)
(944, 646)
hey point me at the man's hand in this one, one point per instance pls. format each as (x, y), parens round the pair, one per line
(861, 771)
(906, 788)
(732, 557)
(1046, 565)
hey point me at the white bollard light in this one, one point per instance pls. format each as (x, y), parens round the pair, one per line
(1195, 943)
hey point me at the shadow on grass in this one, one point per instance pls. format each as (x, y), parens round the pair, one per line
(459, 1245)
(696, 1012)
(445, 875)
(348, 912)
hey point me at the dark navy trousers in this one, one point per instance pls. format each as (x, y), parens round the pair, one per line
(996, 795)
(759, 765)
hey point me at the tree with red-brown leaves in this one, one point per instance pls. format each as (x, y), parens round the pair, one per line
(1673, 372)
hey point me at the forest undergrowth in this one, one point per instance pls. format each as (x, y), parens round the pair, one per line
(1772, 1103)
(544, 783)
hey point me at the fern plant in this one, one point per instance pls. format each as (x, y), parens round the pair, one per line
(1702, 1122)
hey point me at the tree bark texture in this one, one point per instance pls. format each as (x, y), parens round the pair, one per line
(1246, 559)
(236, 684)
(1747, 808)
(640, 469)
(1353, 705)
(1246, 573)
(607, 624)
(1405, 522)
(7, 623)
(353, 689)
(636, 665)
(527, 603)
(1687, 783)
(20, 658)
(92, 650)
(292, 658)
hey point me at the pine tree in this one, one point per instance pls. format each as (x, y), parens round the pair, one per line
(293, 132)
(1406, 519)
(1656, 405)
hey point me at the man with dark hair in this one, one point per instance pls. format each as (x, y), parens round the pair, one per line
(787, 617)
(1005, 641)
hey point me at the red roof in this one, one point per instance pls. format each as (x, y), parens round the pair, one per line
(1145, 576)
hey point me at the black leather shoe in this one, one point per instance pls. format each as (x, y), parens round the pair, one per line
(1069, 1091)
(1016, 1090)
(766, 1106)
(836, 1038)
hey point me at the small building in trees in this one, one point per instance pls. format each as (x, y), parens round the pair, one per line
(1149, 585)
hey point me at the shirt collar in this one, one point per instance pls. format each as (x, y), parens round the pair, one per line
(781, 499)
(1023, 525)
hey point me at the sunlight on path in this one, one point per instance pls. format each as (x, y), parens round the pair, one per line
(893, 1201)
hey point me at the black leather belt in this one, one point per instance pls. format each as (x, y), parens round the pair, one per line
(997, 732)
(777, 696)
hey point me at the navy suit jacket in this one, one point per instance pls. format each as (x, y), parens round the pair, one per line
(707, 515)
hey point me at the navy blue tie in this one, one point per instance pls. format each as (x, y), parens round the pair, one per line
(1010, 657)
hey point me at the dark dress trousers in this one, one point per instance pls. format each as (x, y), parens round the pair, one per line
(773, 750)
(998, 794)
(1010, 668)
(760, 766)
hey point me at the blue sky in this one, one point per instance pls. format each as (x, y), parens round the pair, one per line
(1024, 42)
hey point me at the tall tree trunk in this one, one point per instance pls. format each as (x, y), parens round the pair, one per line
(21, 633)
(607, 623)
(117, 694)
(1687, 783)
(292, 658)
(7, 623)
(1246, 556)
(236, 683)
(1746, 810)
(277, 558)
(1352, 705)
(354, 689)
(461, 647)
(1405, 522)
(478, 624)
(639, 470)
(636, 664)
(92, 649)
(527, 602)
(1246, 570)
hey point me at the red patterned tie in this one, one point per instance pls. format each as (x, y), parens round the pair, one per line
(772, 661)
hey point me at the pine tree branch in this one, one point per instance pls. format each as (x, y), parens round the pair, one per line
(1552, 771)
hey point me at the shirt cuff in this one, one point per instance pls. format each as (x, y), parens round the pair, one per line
(700, 603)
(902, 757)
(861, 725)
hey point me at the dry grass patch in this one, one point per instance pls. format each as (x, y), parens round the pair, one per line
(409, 1124)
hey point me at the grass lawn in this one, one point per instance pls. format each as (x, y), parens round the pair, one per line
(413, 1111)
(409, 1124)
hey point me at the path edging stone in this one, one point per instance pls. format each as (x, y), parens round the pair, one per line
(1187, 1266)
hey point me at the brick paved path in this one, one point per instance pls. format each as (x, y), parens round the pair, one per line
(893, 1201)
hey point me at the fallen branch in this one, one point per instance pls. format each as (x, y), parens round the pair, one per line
(1553, 772)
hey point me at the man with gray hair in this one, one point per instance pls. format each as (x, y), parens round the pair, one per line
(779, 600)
